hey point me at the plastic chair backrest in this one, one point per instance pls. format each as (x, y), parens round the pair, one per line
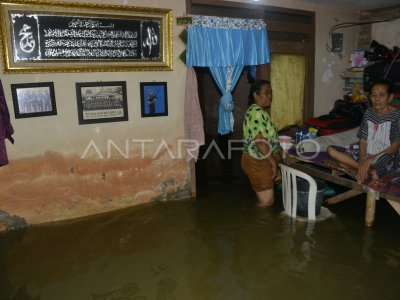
(289, 191)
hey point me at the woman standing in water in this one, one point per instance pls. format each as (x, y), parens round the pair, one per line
(261, 148)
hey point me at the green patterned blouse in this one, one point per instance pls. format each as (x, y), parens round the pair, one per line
(257, 121)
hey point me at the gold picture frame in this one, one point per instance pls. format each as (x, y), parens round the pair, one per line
(58, 37)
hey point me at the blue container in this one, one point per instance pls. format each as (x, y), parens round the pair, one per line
(303, 188)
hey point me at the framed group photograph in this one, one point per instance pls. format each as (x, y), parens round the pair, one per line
(33, 99)
(154, 99)
(100, 102)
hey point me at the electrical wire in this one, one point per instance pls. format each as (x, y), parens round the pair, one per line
(351, 24)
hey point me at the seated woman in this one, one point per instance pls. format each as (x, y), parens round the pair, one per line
(377, 152)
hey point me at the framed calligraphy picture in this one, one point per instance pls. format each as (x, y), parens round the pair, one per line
(154, 99)
(44, 36)
(33, 99)
(100, 102)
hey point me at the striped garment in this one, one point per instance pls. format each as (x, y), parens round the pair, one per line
(379, 131)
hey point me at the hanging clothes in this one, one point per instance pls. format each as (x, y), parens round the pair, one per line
(6, 129)
(194, 131)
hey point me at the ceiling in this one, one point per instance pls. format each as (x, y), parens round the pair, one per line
(352, 4)
(357, 4)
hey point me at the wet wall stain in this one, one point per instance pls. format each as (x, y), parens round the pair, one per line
(53, 187)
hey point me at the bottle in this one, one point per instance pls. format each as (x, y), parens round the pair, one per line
(355, 96)
(297, 137)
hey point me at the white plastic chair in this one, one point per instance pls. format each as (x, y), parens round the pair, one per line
(289, 191)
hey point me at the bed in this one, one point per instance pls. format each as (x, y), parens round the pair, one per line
(310, 157)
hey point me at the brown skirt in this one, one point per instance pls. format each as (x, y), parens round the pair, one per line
(259, 172)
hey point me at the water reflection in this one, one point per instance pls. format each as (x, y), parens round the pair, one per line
(215, 248)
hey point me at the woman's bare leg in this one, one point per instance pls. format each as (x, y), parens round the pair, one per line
(342, 158)
(265, 198)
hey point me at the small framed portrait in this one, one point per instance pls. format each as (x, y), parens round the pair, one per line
(100, 102)
(154, 99)
(33, 99)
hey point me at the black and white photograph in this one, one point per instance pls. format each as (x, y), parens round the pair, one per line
(100, 102)
(33, 99)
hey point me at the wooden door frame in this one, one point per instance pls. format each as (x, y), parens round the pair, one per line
(278, 47)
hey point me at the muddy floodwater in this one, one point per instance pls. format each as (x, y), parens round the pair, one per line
(218, 247)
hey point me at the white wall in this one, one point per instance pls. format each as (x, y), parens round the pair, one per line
(63, 134)
(387, 33)
(328, 66)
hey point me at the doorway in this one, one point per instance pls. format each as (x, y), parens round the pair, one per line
(219, 158)
(290, 32)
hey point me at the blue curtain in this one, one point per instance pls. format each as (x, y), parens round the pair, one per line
(226, 45)
(226, 79)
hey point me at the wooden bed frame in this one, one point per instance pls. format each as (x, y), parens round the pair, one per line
(334, 176)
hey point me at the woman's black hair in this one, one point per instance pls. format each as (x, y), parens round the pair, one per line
(256, 88)
(386, 82)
